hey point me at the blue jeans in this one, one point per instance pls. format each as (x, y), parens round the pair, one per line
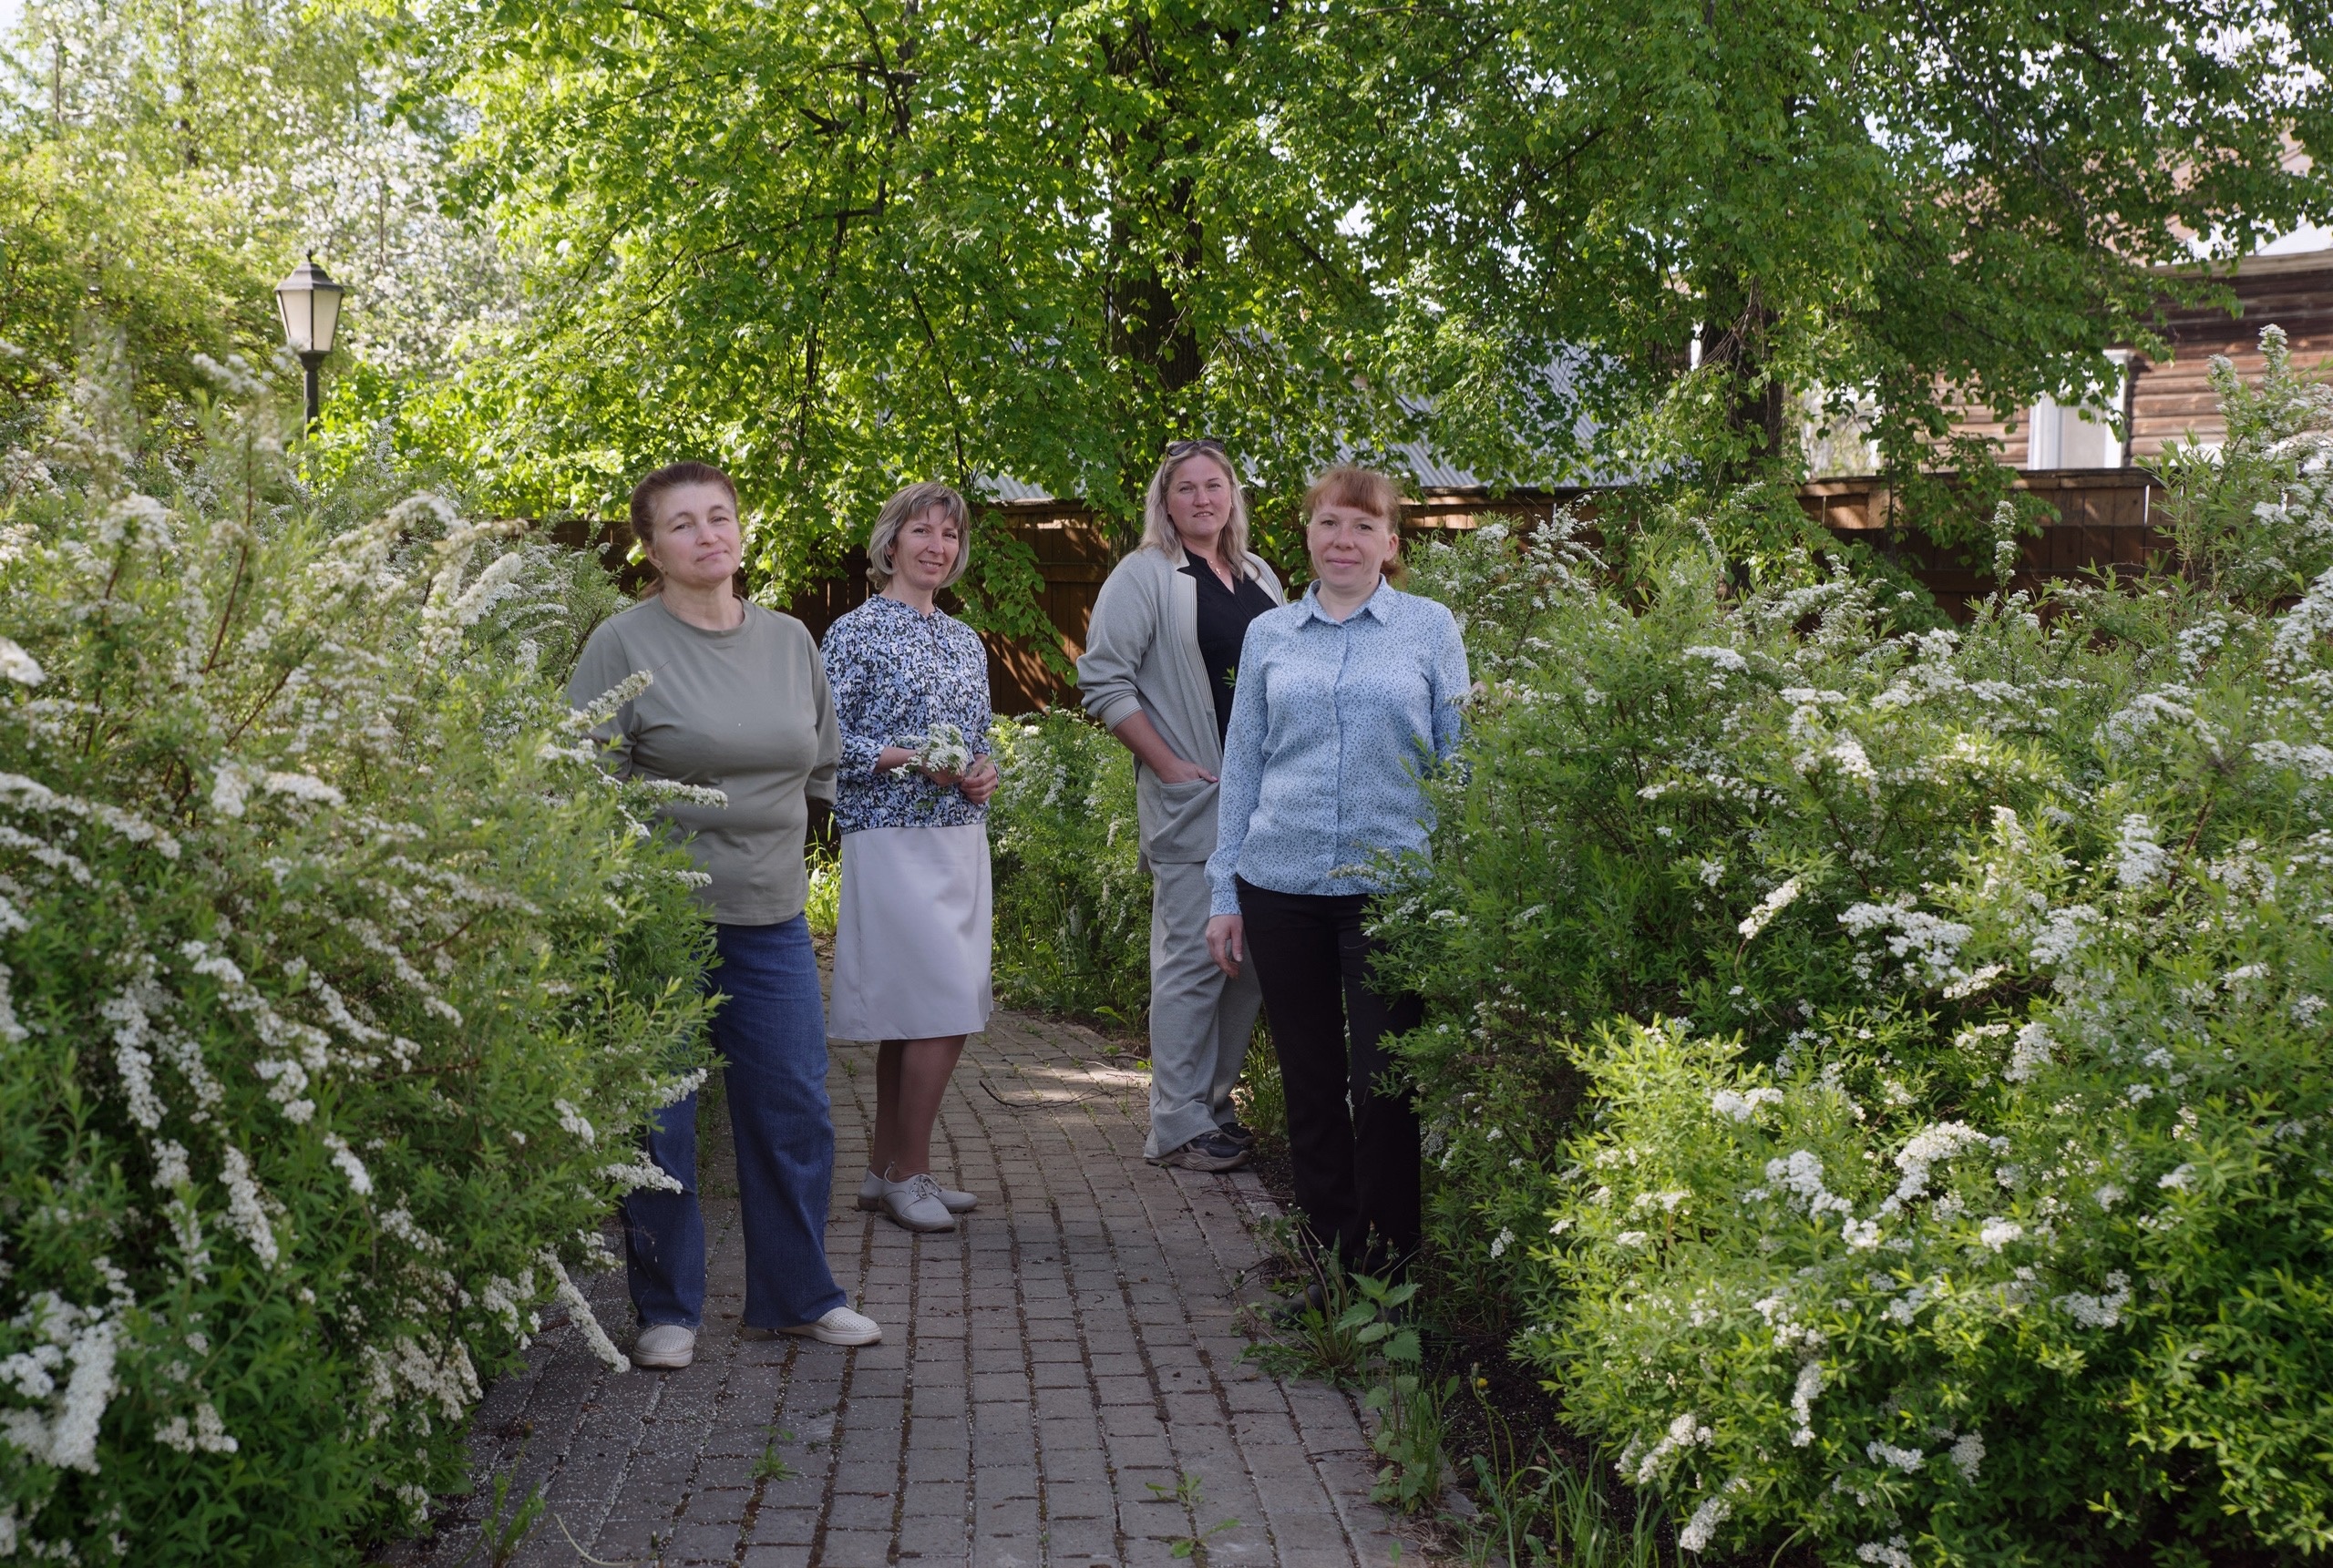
(771, 1034)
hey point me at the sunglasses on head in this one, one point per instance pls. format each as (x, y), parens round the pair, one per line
(1185, 448)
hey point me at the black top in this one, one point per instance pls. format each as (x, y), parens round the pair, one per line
(1224, 615)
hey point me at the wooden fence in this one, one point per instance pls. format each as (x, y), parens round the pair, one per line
(2104, 518)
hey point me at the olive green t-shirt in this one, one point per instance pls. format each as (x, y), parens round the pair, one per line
(745, 711)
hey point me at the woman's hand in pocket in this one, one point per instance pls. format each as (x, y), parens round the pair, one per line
(1179, 772)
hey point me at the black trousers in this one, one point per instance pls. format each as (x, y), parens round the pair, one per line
(1355, 1149)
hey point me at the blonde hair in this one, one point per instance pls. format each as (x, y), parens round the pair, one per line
(1366, 490)
(905, 506)
(1158, 528)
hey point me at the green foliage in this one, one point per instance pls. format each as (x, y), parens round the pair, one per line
(1188, 1492)
(338, 978)
(824, 906)
(1072, 905)
(1868, 214)
(1261, 1094)
(163, 164)
(1406, 1398)
(773, 1465)
(1887, 1074)
(937, 240)
(1534, 1509)
(505, 1527)
(965, 239)
(141, 253)
(1319, 1332)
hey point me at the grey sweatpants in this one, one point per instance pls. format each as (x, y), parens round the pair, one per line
(1199, 1020)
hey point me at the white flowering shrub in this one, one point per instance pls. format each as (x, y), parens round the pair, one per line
(2253, 515)
(1888, 1078)
(1072, 906)
(335, 981)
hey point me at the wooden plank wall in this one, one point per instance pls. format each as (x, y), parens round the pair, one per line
(2105, 518)
(2171, 398)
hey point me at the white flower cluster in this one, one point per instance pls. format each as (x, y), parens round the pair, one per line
(2098, 1311)
(1741, 1106)
(943, 750)
(61, 1429)
(1684, 1433)
(1781, 898)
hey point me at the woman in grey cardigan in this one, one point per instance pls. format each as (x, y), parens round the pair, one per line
(1161, 657)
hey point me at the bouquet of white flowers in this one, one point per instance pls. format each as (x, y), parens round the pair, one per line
(943, 750)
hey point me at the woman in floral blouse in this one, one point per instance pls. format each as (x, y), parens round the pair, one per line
(911, 942)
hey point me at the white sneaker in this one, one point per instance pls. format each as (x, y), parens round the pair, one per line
(914, 1205)
(665, 1345)
(871, 1191)
(839, 1327)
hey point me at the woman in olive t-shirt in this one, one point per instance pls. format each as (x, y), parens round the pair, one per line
(737, 701)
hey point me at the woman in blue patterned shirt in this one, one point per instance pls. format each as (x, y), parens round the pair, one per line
(912, 940)
(1345, 699)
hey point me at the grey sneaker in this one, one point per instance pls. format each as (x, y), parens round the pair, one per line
(914, 1205)
(1239, 1134)
(664, 1346)
(1207, 1152)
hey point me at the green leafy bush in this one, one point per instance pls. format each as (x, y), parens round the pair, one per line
(1073, 905)
(334, 980)
(1886, 1074)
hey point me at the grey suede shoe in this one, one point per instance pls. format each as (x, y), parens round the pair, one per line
(871, 1191)
(839, 1327)
(914, 1205)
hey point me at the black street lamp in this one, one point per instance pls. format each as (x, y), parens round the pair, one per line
(310, 304)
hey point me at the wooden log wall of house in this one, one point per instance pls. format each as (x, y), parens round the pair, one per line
(2170, 399)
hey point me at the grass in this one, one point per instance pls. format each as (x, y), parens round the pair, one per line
(1262, 1102)
(507, 1525)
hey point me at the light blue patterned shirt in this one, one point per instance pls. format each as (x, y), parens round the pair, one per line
(1332, 722)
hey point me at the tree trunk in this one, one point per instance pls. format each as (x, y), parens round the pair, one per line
(1736, 343)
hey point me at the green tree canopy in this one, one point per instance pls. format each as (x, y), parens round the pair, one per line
(1900, 207)
(838, 246)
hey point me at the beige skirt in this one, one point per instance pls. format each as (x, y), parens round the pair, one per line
(911, 939)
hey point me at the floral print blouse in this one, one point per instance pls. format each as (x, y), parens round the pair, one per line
(896, 673)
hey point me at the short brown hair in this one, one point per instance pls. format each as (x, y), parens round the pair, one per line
(909, 503)
(670, 476)
(1379, 495)
(645, 493)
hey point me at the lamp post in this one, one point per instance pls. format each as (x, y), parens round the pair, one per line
(310, 304)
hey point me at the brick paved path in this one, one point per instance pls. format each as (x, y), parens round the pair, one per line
(1060, 1380)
